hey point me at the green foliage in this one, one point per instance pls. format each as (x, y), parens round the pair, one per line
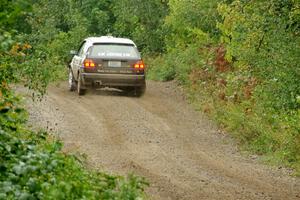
(13, 15)
(189, 18)
(190, 27)
(251, 76)
(33, 167)
(159, 69)
(57, 27)
(238, 59)
(265, 46)
(99, 15)
(32, 164)
(269, 43)
(177, 64)
(141, 21)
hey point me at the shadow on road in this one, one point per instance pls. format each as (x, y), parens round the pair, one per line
(110, 92)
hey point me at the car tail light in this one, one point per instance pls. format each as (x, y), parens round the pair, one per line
(88, 63)
(139, 65)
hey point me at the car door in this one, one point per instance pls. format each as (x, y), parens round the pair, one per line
(78, 59)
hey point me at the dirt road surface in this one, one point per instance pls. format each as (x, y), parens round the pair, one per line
(160, 137)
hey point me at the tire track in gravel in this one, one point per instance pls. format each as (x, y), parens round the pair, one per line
(160, 137)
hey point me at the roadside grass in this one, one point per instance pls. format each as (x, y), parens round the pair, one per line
(255, 131)
(232, 97)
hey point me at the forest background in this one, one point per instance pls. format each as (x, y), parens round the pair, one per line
(238, 61)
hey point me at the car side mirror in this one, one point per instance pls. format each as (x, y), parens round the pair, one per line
(73, 52)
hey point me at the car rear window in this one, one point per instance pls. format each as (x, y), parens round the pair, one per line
(114, 51)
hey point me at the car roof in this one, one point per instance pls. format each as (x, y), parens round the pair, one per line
(109, 39)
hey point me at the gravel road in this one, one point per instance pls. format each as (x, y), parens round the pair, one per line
(159, 136)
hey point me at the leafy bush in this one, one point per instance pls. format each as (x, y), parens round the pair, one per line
(246, 75)
(141, 21)
(159, 69)
(32, 164)
(33, 167)
(268, 43)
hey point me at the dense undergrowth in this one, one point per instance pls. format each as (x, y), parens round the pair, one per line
(33, 166)
(241, 66)
(35, 38)
(238, 60)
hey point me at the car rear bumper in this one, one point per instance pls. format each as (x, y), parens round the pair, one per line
(113, 79)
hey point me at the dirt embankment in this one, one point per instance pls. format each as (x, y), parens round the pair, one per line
(160, 137)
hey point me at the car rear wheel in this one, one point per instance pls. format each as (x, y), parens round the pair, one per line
(72, 83)
(80, 89)
(135, 91)
(140, 91)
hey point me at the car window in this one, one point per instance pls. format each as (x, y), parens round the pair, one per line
(114, 51)
(81, 49)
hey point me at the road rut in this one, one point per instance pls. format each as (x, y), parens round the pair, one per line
(159, 136)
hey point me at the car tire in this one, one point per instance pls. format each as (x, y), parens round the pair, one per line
(140, 91)
(72, 82)
(80, 89)
(135, 91)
